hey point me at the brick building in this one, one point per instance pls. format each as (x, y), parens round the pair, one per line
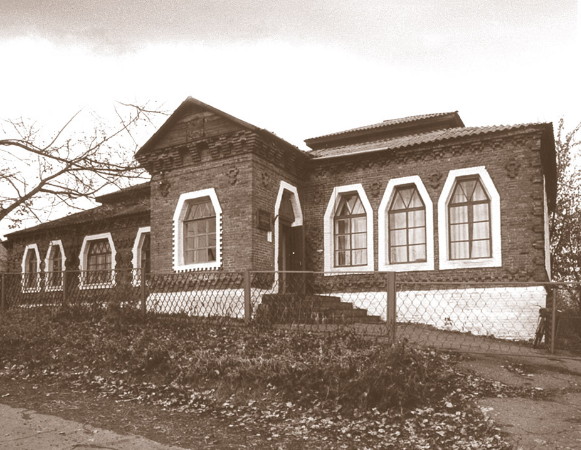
(424, 196)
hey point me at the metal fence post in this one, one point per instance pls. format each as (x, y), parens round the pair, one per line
(247, 304)
(65, 290)
(3, 293)
(143, 291)
(391, 307)
(553, 321)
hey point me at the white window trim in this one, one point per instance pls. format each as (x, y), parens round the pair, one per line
(495, 232)
(83, 255)
(37, 288)
(297, 210)
(328, 223)
(136, 260)
(383, 234)
(52, 244)
(178, 229)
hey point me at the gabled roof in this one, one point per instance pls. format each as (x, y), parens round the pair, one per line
(139, 190)
(389, 128)
(190, 103)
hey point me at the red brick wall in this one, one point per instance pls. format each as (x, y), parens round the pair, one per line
(514, 166)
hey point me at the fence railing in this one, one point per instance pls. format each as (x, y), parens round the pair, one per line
(471, 316)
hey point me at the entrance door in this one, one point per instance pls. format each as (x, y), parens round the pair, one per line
(290, 259)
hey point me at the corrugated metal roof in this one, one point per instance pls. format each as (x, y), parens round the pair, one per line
(415, 139)
(384, 124)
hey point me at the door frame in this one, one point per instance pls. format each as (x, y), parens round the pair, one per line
(298, 222)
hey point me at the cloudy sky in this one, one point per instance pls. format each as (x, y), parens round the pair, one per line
(300, 68)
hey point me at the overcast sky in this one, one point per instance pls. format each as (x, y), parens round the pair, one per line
(299, 68)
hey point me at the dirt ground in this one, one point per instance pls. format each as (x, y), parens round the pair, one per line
(554, 422)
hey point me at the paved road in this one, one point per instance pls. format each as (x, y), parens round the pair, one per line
(21, 429)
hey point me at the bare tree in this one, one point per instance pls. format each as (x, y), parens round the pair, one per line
(41, 173)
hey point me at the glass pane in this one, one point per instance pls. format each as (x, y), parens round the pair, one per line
(406, 196)
(416, 201)
(211, 254)
(342, 259)
(481, 249)
(201, 256)
(398, 255)
(480, 212)
(398, 237)
(200, 242)
(459, 232)
(479, 193)
(211, 225)
(397, 220)
(468, 186)
(417, 253)
(398, 202)
(342, 226)
(342, 243)
(189, 257)
(458, 196)
(458, 214)
(417, 218)
(360, 240)
(417, 235)
(359, 257)
(480, 230)
(359, 224)
(212, 240)
(358, 206)
(459, 250)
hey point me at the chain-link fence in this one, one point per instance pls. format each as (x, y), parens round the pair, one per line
(474, 317)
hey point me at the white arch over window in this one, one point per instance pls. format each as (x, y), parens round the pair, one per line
(495, 221)
(30, 279)
(297, 210)
(54, 282)
(383, 222)
(83, 261)
(328, 229)
(178, 231)
(136, 251)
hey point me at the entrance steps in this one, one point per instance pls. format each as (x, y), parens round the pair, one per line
(311, 308)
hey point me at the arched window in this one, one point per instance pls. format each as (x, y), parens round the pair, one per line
(197, 231)
(199, 227)
(407, 226)
(350, 232)
(99, 261)
(469, 221)
(31, 269)
(54, 265)
(145, 260)
(141, 254)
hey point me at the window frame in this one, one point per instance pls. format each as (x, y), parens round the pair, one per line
(83, 261)
(383, 223)
(37, 285)
(329, 230)
(495, 260)
(178, 231)
(137, 253)
(54, 244)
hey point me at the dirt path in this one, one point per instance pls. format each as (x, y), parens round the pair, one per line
(553, 423)
(22, 429)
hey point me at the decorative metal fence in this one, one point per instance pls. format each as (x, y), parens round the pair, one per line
(473, 317)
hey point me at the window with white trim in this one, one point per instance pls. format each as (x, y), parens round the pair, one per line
(97, 262)
(31, 269)
(197, 231)
(406, 226)
(141, 254)
(469, 220)
(54, 265)
(348, 229)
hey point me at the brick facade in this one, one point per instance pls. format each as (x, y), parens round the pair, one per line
(200, 147)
